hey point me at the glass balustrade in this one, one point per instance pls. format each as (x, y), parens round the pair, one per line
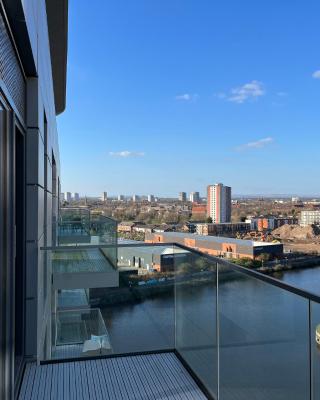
(244, 335)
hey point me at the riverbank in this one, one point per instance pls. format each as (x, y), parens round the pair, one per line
(291, 264)
(134, 294)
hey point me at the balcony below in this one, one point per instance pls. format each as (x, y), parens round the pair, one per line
(152, 376)
(82, 268)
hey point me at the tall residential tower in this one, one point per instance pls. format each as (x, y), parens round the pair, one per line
(183, 196)
(219, 203)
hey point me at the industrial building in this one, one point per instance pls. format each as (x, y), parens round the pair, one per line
(218, 246)
(148, 259)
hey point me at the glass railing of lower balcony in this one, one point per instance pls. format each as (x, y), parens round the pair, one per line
(73, 226)
(244, 335)
(79, 226)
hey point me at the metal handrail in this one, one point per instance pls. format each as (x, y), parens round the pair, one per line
(235, 267)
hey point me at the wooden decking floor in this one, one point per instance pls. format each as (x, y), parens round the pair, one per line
(149, 377)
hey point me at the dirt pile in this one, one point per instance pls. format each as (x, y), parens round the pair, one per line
(296, 232)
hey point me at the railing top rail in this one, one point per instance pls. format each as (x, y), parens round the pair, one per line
(246, 271)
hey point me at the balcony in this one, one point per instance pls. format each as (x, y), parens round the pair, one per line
(79, 226)
(178, 324)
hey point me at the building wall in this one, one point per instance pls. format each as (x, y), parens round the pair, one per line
(43, 184)
(222, 229)
(29, 109)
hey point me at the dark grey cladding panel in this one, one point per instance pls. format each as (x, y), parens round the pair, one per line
(10, 71)
(274, 249)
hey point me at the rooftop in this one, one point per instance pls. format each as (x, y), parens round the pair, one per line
(217, 239)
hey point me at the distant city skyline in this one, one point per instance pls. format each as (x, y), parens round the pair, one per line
(202, 196)
(234, 101)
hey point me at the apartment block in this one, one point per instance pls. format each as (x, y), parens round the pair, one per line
(225, 229)
(219, 203)
(310, 217)
(194, 197)
(75, 196)
(270, 223)
(183, 196)
(68, 197)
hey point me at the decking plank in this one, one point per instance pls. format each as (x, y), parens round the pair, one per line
(144, 377)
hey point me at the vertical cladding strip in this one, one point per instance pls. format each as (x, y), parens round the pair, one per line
(10, 72)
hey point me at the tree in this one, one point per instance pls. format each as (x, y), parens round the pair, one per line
(209, 220)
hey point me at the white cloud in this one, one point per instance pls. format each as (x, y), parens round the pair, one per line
(248, 91)
(258, 144)
(316, 74)
(126, 154)
(186, 97)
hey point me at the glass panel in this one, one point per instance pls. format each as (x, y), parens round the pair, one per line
(135, 300)
(78, 226)
(264, 347)
(140, 313)
(196, 331)
(315, 349)
(103, 230)
(80, 333)
(74, 226)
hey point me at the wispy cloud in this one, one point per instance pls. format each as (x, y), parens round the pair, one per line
(126, 154)
(258, 144)
(249, 91)
(316, 74)
(186, 97)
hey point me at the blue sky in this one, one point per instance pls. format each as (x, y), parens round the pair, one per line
(172, 95)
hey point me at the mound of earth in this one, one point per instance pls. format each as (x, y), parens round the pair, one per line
(296, 232)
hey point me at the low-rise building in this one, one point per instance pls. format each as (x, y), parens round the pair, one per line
(199, 210)
(219, 246)
(310, 217)
(225, 229)
(126, 227)
(270, 223)
(148, 259)
(143, 228)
